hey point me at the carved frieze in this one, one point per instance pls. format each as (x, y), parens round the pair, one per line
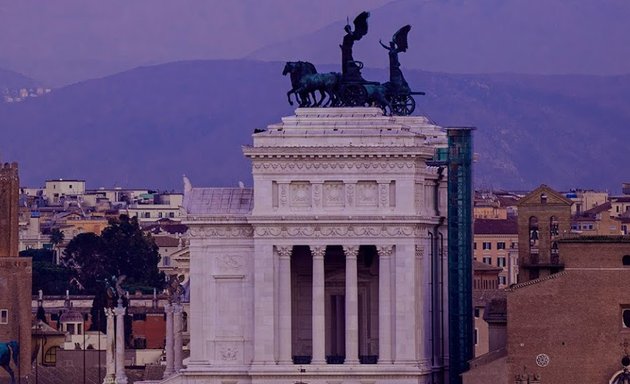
(350, 195)
(224, 231)
(284, 195)
(271, 166)
(335, 231)
(317, 195)
(419, 252)
(384, 250)
(383, 195)
(229, 263)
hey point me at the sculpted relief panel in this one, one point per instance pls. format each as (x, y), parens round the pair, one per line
(334, 194)
(307, 196)
(367, 194)
(300, 194)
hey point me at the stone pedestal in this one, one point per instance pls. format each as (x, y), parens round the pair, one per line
(168, 348)
(121, 376)
(178, 341)
(110, 368)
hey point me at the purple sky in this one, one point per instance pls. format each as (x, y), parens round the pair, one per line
(64, 41)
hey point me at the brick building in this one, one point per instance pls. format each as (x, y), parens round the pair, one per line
(15, 275)
(544, 215)
(579, 317)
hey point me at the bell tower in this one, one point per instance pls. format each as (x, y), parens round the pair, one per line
(15, 278)
(9, 187)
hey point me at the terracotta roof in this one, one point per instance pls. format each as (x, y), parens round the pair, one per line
(166, 241)
(495, 227)
(479, 266)
(536, 281)
(596, 210)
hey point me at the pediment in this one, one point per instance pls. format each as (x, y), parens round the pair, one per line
(552, 197)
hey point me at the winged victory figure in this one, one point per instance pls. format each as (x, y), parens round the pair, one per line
(397, 45)
(350, 68)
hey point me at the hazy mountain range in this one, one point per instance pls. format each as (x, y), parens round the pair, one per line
(150, 125)
(64, 41)
(13, 80)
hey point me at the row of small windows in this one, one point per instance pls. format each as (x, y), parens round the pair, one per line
(501, 261)
(147, 215)
(487, 245)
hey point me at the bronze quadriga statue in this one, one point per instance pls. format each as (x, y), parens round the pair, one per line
(348, 88)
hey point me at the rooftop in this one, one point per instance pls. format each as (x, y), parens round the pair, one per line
(209, 201)
(495, 227)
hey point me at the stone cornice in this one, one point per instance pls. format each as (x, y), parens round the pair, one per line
(287, 152)
(308, 219)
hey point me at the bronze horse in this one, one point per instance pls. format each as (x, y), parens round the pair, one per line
(305, 81)
(10, 351)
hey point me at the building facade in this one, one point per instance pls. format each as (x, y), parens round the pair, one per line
(15, 276)
(496, 244)
(324, 270)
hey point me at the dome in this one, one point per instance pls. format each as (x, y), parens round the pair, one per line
(71, 317)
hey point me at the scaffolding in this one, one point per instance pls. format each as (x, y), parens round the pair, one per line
(460, 238)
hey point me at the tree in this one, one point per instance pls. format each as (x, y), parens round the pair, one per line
(121, 249)
(51, 278)
(56, 238)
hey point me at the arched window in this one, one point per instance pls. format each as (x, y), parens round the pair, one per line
(50, 358)
(533, 231)
(554, 227)
(534, 236)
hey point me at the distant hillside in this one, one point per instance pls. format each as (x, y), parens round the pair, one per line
(148, 126)
(66, 41)
(483, 36)
(14, 80)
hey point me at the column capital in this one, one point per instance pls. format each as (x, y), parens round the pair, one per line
(384, 251)
(168, 308)
(317, 251)
(284, 252)
(119, 311)
(351, 251)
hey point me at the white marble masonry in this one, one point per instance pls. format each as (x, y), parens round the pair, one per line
(314, 275)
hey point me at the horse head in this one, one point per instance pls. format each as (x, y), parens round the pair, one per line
(289, 67)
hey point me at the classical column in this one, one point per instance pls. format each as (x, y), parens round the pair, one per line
(265, 319)
(284, 306)
(352, 306)
(319, 318)
(177, 337)
(168, 348)
(121, 376)
(110, 368)
(384, 305)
